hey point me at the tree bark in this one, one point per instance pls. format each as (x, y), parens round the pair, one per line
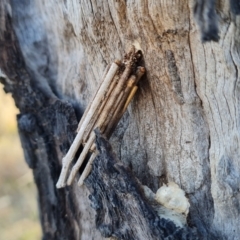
(182, 126)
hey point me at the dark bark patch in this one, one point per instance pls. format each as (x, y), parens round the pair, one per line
(122, 210)
(175, 80)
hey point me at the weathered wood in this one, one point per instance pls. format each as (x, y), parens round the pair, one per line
(46, 128)
(123, 211)
(182, 126)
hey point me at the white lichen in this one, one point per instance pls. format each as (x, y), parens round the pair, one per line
(173, 197)
(173, 205)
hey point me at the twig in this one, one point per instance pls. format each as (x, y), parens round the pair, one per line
(125, 99)
(94, 96)
(128, 95)
(87, 169)
(101, 123)
(81, 158)
(89, 114)
(105, 110)
(94, 119)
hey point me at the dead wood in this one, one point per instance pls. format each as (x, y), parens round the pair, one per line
(182, 125)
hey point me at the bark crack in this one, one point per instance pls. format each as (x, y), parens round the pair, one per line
(110, 14)
(236, 69)
(224, 95)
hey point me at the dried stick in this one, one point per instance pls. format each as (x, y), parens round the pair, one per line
(118, 103)
(91, 126)
(81, 158)
(104, 112)
(90, 104)
(139, 74)
(110, 114)
(101, 123)
(111, 104)
(122, 105)
(78, 139)
(112, 121)
(87, 169)
(128, 95)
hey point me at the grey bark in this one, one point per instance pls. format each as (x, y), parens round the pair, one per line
(182, 126)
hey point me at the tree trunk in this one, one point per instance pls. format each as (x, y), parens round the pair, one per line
(183, 125)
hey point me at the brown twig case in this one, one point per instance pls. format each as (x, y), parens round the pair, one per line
(117, 88)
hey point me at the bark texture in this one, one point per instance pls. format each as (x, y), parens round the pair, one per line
(122, 209)
(183, 125)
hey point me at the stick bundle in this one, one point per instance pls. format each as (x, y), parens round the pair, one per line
(117, 88)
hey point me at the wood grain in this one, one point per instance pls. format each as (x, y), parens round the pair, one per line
(64, 49)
